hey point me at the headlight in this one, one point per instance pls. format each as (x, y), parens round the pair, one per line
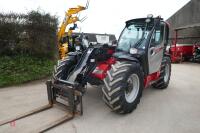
(78, 48)
(133, 51)
(92, 60)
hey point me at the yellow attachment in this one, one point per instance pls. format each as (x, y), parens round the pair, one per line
(69, 33)
(69, 19)
(72, 20)
(63, 50)
(76, 10)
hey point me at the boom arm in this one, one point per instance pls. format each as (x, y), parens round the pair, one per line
(70, 18)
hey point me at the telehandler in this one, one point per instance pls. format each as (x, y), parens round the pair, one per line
(138, 61)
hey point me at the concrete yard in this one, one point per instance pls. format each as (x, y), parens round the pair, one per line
(174, 110)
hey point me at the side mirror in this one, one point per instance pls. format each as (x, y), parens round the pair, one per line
(166, 35)
(166, 42)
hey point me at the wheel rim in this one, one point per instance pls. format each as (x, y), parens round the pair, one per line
(166, 77)
(133, 88)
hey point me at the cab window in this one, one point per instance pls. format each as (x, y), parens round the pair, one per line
(157, 36)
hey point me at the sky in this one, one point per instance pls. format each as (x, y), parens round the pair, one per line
(104, 16)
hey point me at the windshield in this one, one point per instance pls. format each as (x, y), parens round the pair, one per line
(133, 35)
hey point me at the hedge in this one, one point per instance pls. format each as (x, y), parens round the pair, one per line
(33, 33)
(23, 68)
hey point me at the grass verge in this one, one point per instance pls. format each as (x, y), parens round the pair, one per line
(20, 69)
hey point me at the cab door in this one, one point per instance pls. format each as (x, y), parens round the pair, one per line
(156, 47)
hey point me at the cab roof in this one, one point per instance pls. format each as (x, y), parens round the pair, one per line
(140, 20)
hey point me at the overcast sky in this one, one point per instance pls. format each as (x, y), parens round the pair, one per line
(104, 16)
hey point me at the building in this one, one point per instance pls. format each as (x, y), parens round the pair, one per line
(95, 38)
(187, 22)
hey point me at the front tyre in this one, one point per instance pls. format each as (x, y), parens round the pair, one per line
(63, 68)
(123, 86)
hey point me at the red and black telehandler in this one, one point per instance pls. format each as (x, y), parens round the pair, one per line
(138, 61)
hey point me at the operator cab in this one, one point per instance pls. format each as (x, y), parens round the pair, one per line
(144, 40)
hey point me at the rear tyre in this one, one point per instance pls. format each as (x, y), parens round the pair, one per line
(63, 68)
(123, 86)
(165, 74)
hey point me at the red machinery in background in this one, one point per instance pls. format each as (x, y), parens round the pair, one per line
(196, 52)
(185, 51)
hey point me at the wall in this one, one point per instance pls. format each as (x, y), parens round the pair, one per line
(187, 15)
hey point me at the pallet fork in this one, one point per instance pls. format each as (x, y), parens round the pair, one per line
(63, 89)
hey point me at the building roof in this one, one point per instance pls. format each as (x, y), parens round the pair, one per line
(187, 15)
